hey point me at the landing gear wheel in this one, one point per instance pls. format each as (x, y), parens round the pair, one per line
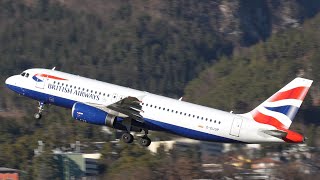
(127, 138)
(37, 115)
(145, 141)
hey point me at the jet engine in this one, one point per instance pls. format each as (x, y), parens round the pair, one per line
(92, 115)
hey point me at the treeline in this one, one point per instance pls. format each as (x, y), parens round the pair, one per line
(249, 77)
(141, 51)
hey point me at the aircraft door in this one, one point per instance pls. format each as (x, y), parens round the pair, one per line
(236, 126)
(40, 81)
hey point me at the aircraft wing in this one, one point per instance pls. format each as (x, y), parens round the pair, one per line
(126, 107)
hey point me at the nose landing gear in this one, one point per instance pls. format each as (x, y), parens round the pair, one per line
(38, 115)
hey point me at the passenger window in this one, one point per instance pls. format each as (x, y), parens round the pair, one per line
(150, 105)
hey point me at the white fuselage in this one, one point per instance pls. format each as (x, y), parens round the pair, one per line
(160, 113)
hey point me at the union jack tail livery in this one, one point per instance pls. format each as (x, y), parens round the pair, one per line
(280, 109)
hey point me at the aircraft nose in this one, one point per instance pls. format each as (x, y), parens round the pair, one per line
(9, 81)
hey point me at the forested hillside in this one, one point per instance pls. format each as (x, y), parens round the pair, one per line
(157, 46)
(246, 79)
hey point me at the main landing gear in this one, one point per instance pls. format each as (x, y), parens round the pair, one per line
(143, 141)
(38, 115)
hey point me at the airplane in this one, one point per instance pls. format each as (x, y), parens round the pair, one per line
(131, 110)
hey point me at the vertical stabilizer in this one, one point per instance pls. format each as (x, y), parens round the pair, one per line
(280, 109)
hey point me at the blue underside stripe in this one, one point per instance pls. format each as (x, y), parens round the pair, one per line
(149, 123)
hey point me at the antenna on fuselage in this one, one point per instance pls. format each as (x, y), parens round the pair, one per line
(53, 68)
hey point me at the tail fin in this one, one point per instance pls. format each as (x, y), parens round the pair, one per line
(280, 109)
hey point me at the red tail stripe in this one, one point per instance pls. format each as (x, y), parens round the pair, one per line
(51, 77)
(296, 93)
(264, 119)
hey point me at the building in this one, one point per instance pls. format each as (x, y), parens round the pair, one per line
(206, 149)
(7, 173)
(78, 165)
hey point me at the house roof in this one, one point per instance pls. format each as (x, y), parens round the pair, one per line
(4, 169)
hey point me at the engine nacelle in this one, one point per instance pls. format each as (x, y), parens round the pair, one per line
(92, 115)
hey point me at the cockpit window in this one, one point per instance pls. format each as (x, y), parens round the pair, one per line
(23, 74)
(27, 75)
